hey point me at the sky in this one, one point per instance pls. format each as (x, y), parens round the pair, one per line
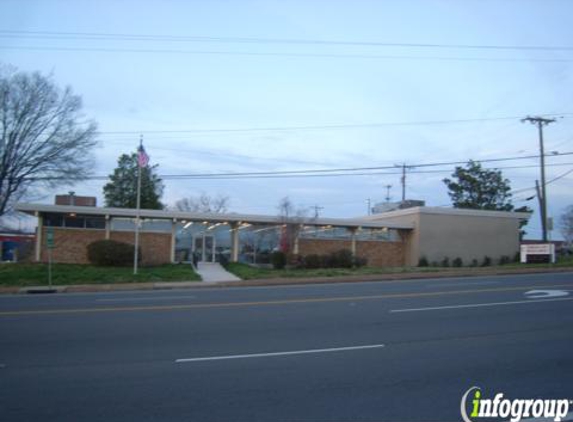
(265, 86)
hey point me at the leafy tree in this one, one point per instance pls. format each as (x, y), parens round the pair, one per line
(483, 189)
(203, 203)
(121, 190)
(44, 139)
(478, 188)
(522, 223)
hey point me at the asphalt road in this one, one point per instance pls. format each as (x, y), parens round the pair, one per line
(387, 351)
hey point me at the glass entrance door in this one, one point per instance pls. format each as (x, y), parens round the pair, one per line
(204, 248)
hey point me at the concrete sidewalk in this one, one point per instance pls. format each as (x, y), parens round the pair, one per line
(213, 272)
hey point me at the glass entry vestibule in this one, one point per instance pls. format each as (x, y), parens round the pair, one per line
(204, 248)
(201, 242)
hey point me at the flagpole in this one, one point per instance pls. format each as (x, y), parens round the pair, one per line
(137, 220)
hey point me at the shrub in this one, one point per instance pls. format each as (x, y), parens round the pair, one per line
(474, 263)
(313, 261)
(457, 262)
(111, 253)
(423, 262)
(295, 261)
(446, 262)
(278, 260)
(504, 260)
(264, 258)
(360, 261)
(486, 261)
(341, 259)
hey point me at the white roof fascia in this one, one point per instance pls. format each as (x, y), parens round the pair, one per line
(211, 217)
(449, 211)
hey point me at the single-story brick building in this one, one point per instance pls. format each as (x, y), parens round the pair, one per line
(397, 238)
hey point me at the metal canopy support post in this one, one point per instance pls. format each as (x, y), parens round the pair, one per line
(353, 241)
(235, 242)
(39, 237)
(107, 227)
(295, 248)
(173, 239)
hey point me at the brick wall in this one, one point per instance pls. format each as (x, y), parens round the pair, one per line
(378, 254)
(155, 247)
(71, 245)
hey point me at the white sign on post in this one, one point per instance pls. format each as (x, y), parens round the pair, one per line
(538, 252)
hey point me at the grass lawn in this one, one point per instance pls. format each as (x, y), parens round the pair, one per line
(247, 272)
(27, 274)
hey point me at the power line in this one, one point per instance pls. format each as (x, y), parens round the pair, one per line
(339, 172)
(260, 40)
(324, 127)
(351, 170)
(561, 176)
(284, 54)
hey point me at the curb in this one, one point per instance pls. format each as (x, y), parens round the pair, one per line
(95, 288)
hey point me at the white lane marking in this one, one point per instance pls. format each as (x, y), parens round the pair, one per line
(457, 283)
(272, 354)
(538, 294)
(137, 299)
(477, 305)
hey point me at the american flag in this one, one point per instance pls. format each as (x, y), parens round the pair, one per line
(142, 157)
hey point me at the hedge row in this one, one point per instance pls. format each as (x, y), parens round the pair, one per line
(458, 262)
(340, 259)
(111, 253)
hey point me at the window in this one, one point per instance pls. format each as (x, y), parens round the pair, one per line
(74, 221)
(95, 223)
(54, 220)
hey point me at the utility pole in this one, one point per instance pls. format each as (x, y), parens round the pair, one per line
(388, 187)
(403, 183)
(368, 205)
(317, 210)
(540, 122)
(403, 179)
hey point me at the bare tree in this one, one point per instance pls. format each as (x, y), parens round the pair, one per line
(567, 225)
(292, 220)
(44, 140)
(203, 203)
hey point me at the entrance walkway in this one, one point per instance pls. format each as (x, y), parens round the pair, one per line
(214, 272)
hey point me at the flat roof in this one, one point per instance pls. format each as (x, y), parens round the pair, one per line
(35, 209)
(449, 211)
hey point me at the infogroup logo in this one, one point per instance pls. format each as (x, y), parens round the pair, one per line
(498, 407)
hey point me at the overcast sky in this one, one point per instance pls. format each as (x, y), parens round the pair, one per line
(197, 77)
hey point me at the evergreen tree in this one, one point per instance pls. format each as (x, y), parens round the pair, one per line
(483, 189)
(477, 188)
(121, 190)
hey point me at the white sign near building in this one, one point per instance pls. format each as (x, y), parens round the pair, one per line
(538, 252)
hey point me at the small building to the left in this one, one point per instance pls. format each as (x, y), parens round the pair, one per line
(16, 246)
